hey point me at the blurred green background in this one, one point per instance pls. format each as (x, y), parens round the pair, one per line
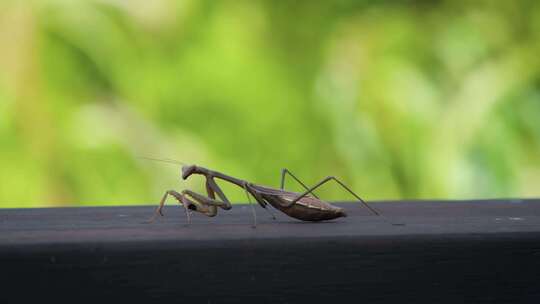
(421, 99)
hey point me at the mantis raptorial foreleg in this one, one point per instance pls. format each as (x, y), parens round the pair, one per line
(198, 202)
(204, 201)
(212, 187)
(211, 193)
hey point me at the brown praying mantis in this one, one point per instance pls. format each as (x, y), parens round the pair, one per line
(304, 206)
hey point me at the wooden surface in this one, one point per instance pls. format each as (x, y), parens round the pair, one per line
(451, 252)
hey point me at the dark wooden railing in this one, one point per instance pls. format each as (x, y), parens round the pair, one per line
(447, 252)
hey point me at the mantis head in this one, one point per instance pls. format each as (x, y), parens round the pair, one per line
(188, 170)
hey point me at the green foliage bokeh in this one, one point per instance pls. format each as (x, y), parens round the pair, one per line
(402, 100)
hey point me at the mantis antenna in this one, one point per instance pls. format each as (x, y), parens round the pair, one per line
(165, 160)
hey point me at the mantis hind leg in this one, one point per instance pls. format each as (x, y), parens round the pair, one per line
(285, 171)
(327, 179)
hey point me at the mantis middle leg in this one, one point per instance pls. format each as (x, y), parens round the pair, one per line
(249, 190)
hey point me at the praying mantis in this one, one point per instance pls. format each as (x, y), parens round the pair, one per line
(304, 206)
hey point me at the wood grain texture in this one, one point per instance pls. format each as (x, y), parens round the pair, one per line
(448, 252)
